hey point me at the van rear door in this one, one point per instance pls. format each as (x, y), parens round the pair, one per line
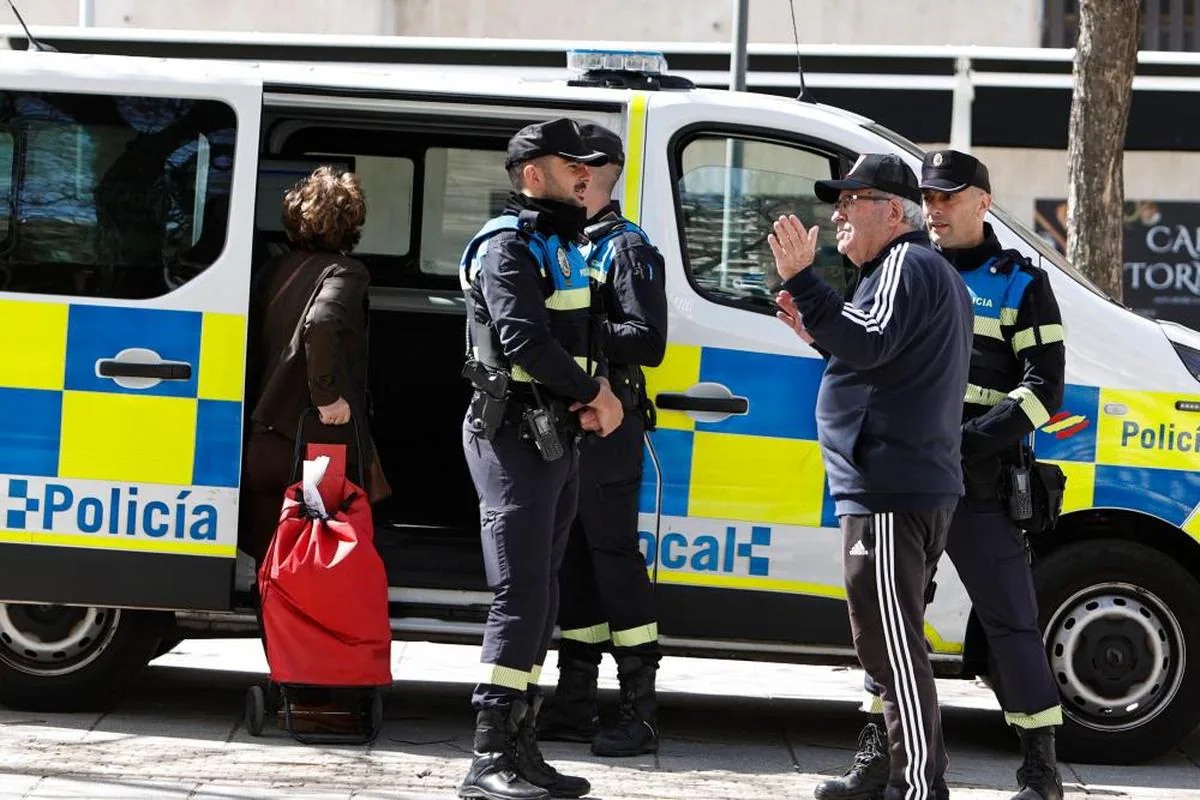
(125, 236)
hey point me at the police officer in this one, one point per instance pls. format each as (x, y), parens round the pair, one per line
(1015, 384)
(606, 593)
(538, 381)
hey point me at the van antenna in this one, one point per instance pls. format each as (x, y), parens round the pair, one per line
(34, 44)
(804, 94)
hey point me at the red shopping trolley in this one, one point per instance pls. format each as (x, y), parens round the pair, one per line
(324, 606)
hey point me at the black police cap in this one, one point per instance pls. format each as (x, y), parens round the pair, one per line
(558, 137)
(953, 171)
(606, 141)
(882, 171)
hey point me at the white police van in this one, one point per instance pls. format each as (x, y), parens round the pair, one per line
(139, 196)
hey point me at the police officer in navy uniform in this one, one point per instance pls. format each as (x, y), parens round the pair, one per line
(539, 385)
(607, 599)
(1015, 384)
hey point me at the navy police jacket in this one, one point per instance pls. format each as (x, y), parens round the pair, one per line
(1018, 358)
(529, 300)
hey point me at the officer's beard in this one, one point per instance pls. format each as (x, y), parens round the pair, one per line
(567, 219)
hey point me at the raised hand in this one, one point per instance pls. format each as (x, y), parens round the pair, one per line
(793, 248)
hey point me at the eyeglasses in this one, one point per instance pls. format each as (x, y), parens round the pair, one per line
(844, 203)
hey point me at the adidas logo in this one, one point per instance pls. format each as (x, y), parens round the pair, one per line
(858, 549)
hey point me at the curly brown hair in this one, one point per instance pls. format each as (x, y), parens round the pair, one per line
(325, 210)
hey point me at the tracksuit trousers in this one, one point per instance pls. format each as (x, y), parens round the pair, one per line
(988, 552)
(889, 559)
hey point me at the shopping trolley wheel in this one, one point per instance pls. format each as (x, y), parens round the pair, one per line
(256, 710)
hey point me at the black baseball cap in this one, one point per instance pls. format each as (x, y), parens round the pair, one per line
(606, 141)
(952, 171)
(558, 137)
(882, 171)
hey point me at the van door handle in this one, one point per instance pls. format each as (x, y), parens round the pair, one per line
(141, 368)
(163, 371)
(677, 401)
(704, 402)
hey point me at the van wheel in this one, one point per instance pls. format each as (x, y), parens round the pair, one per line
(72, 658)
(1118, 618)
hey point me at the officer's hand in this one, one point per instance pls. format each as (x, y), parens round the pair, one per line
(336, 413)
(604, 414)
(794, 248)
(791, 316)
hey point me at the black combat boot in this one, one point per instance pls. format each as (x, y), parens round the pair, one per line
(571, 715)
(867, 778)
(637, 726)
(533, 766)
(493, 773)
(1038, 777)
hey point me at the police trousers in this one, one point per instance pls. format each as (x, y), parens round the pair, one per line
(607, 597)
(888, 560)
(988, 552)
(526, 506)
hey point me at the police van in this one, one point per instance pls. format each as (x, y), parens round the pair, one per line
(141, 194)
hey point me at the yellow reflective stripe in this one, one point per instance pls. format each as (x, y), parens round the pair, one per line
(1027, 338)
(1031, 405)
(509, 678)
(635, 141)
(988, 326)
(871, 704)
(590, 635)
(519, 373)
(596, 274)
(535, 674)
(1023, 339)
(632, 637)
(1008, 316)
(1052, 333)
(983, 397)
(1042, 719)
(570, 299)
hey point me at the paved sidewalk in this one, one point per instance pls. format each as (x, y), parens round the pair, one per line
(732, 730)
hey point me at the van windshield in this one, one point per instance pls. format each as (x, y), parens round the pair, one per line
(1018, 227)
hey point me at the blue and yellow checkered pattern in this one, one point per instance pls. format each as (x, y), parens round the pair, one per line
(58, 418)
(1127, 449)
(762, 467)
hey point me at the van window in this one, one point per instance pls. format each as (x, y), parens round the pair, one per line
(730, 191)
(111, 196)
(387, 185)
(427, 195)
(463, 189)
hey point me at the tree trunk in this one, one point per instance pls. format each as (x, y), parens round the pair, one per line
(1105, 59)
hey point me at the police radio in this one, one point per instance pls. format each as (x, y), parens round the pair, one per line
(541, 427)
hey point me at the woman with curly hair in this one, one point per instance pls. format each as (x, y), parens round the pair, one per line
(308, 348)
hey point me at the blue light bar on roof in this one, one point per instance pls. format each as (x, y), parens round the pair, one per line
(646, 62)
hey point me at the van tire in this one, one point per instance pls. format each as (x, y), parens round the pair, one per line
(1121, 623)
(103, 651)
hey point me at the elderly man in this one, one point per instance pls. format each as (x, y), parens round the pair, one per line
(888, 416)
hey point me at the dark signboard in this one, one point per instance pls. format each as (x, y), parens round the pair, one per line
(1162, 255)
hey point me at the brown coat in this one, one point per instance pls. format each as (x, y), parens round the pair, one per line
(295, 363)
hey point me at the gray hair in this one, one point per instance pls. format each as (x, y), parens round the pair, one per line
(914, 215)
